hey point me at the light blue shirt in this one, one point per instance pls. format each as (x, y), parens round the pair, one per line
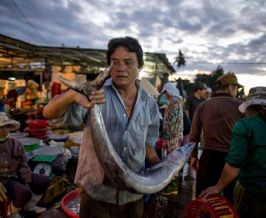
(128, 136)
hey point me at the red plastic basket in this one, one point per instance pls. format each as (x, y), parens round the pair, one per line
(37, 124)
(36, 132)
(215, 206)
(68, 197)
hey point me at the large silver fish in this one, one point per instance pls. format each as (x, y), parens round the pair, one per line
(154, 179)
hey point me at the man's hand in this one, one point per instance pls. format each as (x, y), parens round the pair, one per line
(58, 106)
(194, 163)
(2, 192)
(210, 191)
(96, 97)
(151, 155)
(12, 209)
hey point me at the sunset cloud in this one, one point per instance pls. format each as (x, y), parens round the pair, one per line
(231, 33)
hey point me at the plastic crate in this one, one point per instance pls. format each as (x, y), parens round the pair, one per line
(57, 187)
(215, 206)
(60, 185)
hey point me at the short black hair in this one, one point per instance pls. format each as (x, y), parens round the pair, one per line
(199, 86)
(130, 43)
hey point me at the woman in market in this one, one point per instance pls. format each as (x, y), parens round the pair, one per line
(18, 184)
(172, 131)
(246, 160)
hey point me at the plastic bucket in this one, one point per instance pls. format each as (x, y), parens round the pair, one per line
(29, 144)
(66, 199)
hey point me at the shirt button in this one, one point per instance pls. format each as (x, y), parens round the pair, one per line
(6, 161)
(6, 169)
(125, 115)
(125, 148)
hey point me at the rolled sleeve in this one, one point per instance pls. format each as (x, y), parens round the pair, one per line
(153, 128)
(75, 116)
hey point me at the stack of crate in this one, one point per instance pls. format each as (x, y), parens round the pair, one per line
(57, 187)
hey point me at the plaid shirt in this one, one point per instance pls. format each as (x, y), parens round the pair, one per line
(128, 136)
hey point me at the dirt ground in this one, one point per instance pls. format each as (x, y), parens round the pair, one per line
(156, 206)
(160, 206)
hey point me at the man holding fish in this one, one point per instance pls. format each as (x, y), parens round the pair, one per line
(131, 119)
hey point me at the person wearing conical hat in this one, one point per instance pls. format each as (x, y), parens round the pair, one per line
(246, 159)
(172, 132)
(17, 182)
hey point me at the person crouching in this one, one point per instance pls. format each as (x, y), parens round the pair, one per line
(18, 184)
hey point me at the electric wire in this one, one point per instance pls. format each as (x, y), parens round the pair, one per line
(31, 25)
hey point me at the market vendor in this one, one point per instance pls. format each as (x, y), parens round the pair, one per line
(18, 183)
(12, 97)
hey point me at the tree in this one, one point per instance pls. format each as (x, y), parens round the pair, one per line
(188, 87)
(210, 79)
(180, 59)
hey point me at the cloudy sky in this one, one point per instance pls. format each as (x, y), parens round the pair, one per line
(231, 33)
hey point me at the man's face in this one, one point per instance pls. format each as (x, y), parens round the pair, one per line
(202, 92)
(124, 67)
(233, 90)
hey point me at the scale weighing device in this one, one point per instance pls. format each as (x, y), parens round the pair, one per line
(44, 157)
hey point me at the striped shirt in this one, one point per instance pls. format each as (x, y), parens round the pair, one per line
(128, 136)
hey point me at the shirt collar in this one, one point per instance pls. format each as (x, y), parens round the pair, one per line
(222, 94)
